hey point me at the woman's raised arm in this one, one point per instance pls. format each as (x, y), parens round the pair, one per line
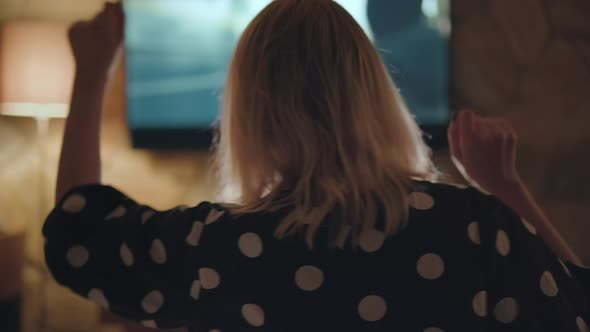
(484, 150)
(95, 45)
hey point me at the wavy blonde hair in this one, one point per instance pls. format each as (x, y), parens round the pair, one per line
(313, 123)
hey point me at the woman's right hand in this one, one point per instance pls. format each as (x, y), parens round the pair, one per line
(96, 43)
(484, 151)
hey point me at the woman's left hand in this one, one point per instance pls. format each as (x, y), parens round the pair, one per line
(484, 149)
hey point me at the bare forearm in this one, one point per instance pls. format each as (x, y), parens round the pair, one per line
(522, 201)
(80, 154)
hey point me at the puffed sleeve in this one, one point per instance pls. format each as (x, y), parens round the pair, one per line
(135, 261)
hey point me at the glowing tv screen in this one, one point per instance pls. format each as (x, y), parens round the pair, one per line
(178, 53)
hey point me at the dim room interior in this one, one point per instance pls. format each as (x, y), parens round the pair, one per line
(527, 60)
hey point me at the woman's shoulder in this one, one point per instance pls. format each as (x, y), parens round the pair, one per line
(454, 190)
(448, 192)
(455, 201)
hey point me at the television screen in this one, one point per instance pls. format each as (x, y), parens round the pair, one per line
(178, 53)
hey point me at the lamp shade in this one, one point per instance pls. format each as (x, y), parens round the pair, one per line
(36, 68)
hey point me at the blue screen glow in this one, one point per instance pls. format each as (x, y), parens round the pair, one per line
(178, 52)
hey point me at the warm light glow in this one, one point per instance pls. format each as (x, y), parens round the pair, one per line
(36, 69)
(34, 110)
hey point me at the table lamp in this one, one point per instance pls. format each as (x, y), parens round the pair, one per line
(36, 76)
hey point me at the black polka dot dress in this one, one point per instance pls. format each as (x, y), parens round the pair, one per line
(463, 262)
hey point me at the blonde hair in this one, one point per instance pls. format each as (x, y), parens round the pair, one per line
(313, 123)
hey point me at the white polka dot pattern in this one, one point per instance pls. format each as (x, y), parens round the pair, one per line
(117, 213)
(502, 243)
(250, 245)
(548, 284)
(126, 255)
(158, 251)
(430, 266)
(149, 324)
(506, 310)
(194, 237)
(196, 289)
(147, 215)
(77, 256)
(75, 203)
(371, 240)
(152, 302)
(581, 323)
(529, 227)
(473, 232)
(97, 296)
(309, 278)
(434, 329)
(213, 216)
(480, 304)
(372, 308)
(253, 314)
(209, 278)
(421, 201)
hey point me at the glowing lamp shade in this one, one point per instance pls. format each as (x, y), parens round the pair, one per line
(36, 69)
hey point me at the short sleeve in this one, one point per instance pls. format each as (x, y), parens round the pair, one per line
(135, 261)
